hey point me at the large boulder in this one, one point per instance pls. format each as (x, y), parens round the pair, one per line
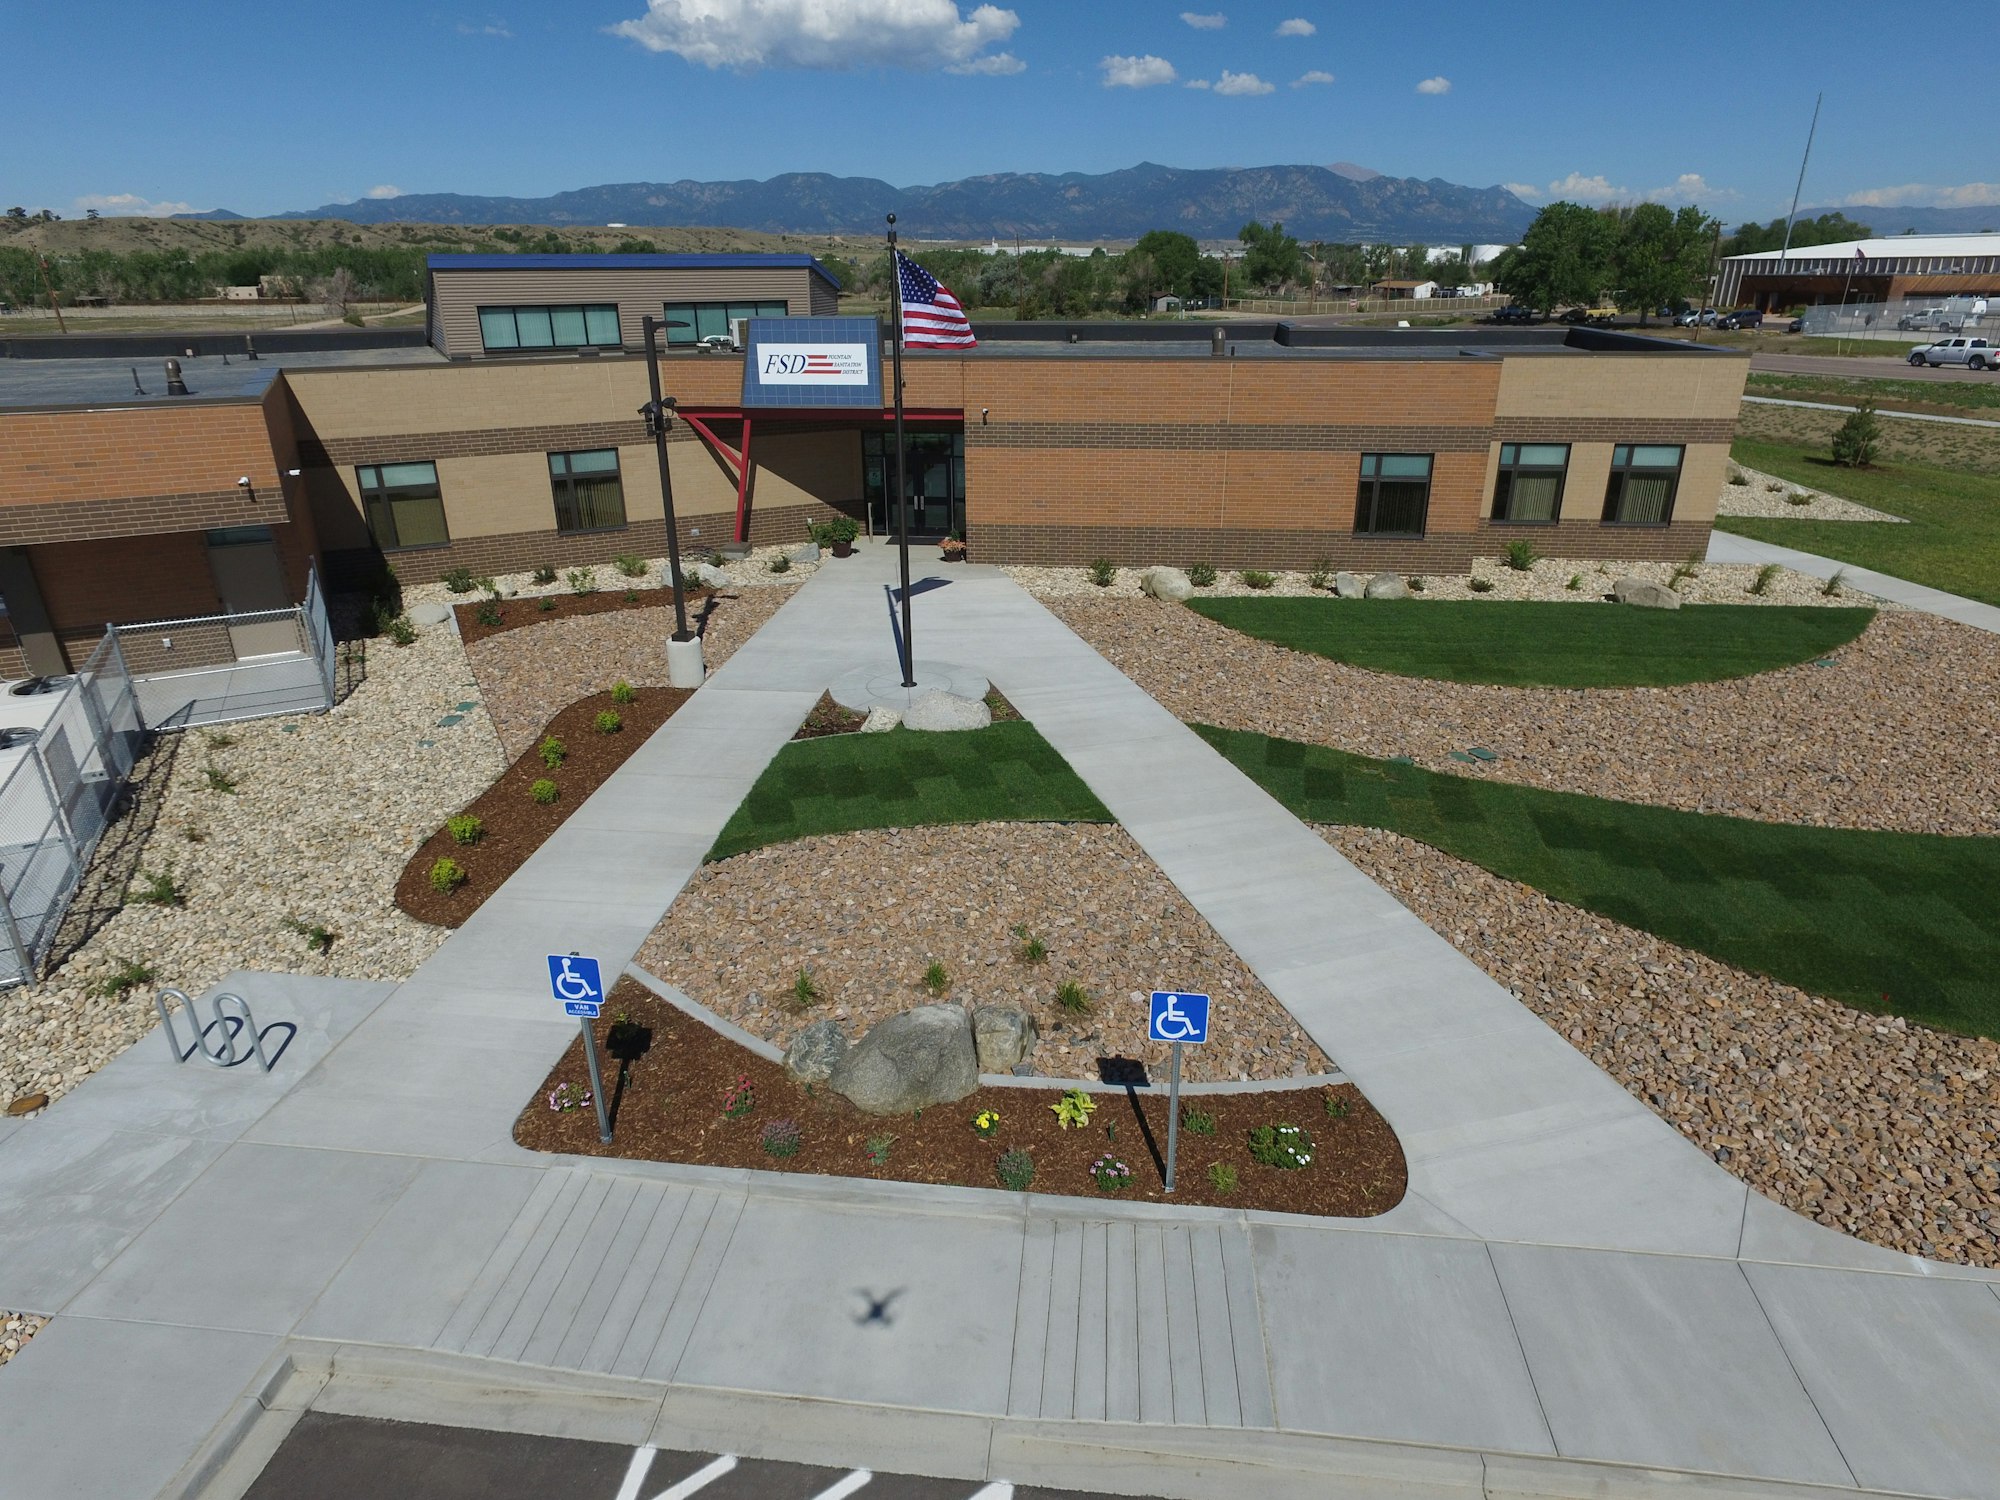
(922, 1057)
(429, 614)
(808, 553)
(816, 1052)
(1168, 584)
(1387, 586)
(936, 709)
(1349, 585)
(707, 574)
(1002, 1035)
(1637, 591)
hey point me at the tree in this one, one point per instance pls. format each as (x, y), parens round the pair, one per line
(1662, 256)
(338, 291)
(17, 212)
(1856, 440)
(1565, 257)
(1174, 257)
(92, 214)
(1828, 229)
(1270, 257)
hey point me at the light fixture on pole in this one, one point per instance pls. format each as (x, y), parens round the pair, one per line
(684, 664)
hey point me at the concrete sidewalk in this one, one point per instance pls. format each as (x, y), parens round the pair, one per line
(1567, 1281)
(1727, 547)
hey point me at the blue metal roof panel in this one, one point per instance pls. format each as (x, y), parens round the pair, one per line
(658, 261)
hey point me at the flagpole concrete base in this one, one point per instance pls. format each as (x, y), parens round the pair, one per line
(684, 664)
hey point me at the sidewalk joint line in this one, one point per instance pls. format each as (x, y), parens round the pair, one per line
(1792, 1365)
(1521, 1347)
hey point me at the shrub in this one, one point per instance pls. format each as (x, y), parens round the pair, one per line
(1416, 585)
(1110, 1174)
(717, 560)
(553, 752)
(158, 890)
(780, 564)
(1032, 950)
(581, 580)
(488, 586)
(546, 604)
(1072, 997)
(840, 531)
(936, 980)
(781, 1138)
(622, 692)
(400, 630)
(1832, 588)
(219, 780)
(804, 991)
(544, 574)
(1320, 575)
(877, 1149)
(217, 739)
(740, 1098)
(465, 828)
(1103, 572)
(1256, 578)
(1202, 575)
(1075, 1107)
(1799, 497)
(1334, 1105)
(447, 875)
(1197, 1122)
(1482, 585)
(487, 614)
(607, 722)
(1283, 1146)
(318, 936)
(458, 580)
(129, 975)
(1222, 1177)
(565, 1097)
(1765, 576)
(1575, 582)
(631, 597)
(1683, 572)
(1737, 476)
(1856, 440)
(1016, 1169)
(1521, 555)
(630, 564)
(542, 791)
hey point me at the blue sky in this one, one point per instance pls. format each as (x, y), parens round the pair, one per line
(261, 108)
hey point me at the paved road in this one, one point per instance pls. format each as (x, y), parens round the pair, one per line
(1865, 366)
(332, 1457)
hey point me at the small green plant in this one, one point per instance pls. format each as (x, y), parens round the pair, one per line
(1256, 578)
(1222, 1177)
(1032, 950)
(717, 560)
(1737, 476)
(542, 791)
(218, 779)
(1766, 575)
(622, 692)
(1521, 555)
(781, 1138)
(1075, 1107)
(490, 587)
(1110, 1174)
(631, 596)
(1334, 1105)
(129, 975)
(565, 1097)
(1856, 440)
(217, 739)
(1197, 1122)
(544, 574)
(1202, 575)
(158, 890)
(1416, 585)
(740, 1098)
(400, 630)
(1286, 1147)
(630, 564)
(986, 1124)
(878, 1148)
(780, 564)
(318, 936)
(1683, 571)
(194, 831)
(804, 991)
(1072, 997)
(607, 722)
(1103, 572)
(546, 604)
(552, 752)
(458, 580)
(1482, 585)
(1320, 575)
(487, 614)
(1575, 582)
(581, 580)
(447, 875)
(936, 980)
(465, 828)
(1798, 497)
(1015, 1169)
(1832, 589)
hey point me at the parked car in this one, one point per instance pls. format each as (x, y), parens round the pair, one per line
(1743, 317)
(1574, 315)
(1515, 313)
(1974, 354)
(1930, 319)
(1705, 318)
(1797, 325)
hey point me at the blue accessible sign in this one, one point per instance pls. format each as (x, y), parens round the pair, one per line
(577, 983)
(1178, 1016)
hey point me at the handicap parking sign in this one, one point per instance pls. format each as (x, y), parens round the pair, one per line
(1178, 1016)
(576, 982)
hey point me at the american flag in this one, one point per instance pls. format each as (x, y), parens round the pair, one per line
(932, 318)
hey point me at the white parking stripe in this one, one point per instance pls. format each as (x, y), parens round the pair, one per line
(845, 1487)
(635, 1472)
(999, 1489)
(705, 1475)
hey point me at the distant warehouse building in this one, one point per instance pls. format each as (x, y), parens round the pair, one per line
(1908, 267)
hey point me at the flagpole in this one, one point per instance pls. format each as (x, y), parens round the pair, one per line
(902, 476)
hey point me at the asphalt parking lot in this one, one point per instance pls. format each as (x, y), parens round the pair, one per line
(330, 1457)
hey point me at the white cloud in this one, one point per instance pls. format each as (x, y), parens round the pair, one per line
(1297, 26)
(1690, 187)
(1205, 23)
(1578, 188)
(1242, 83)
(1438, 85)
(1136, 72)
(1315, 76)
(384, 190)
(1965, 195)
(495, 27)
(993, 65)
(122, 204)
(747, 34)
(1523, 190)
(1199, 83)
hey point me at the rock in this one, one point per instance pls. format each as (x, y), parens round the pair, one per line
(429, 614)
(921, 1057)
(809, 553)
(816, 1052)
(1386, 586)
(937, 709)
(1349, 585)
(1002, 1035)
(880, 719)
(27, 1104)
(1637, 591)
(707, 574)
(1168, 584)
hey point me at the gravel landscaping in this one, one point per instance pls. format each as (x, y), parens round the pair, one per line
(15, 1331)
(865, 913)
(753, 571)
(1870, 1125)
(1899, 730)
(1763, 494)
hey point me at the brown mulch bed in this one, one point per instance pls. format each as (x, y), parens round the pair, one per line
(829, 718)
(516, 825)
(668, 1091)
(515, 613)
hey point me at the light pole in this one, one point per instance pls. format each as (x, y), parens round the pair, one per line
(684, 663)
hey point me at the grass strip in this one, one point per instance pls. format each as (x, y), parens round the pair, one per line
(1533, 644)
(906, 779)
(1899, 923)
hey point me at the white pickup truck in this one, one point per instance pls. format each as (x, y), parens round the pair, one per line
(1974, 354)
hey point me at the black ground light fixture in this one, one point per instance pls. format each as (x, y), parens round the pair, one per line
(902, 453)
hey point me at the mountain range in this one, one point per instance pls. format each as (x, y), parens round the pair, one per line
(1343, 203)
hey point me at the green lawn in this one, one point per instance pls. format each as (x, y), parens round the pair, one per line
(1894, 922)
(1545, 645)
(1967, 398)
(1951, 543)
(904, 779)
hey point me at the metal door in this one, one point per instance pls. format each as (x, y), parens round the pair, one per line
(251, 582)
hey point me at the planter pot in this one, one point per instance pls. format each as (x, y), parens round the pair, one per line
(843, 549)
(951, 557)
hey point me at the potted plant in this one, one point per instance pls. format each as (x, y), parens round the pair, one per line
(952, 548)
(837, 535)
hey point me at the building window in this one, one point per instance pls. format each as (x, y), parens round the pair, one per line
(589, 496)
(511, 328)
(1530, 486)
(1395, 494)
(403, 505)
(691, 322)
(1644, 477)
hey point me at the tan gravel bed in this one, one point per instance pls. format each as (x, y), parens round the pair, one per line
(326, 810)
(1900, 731)
(526, 675)
(865, 913)
(1763, 494)
(16, 1328)
(753, 571)
(1886, 1130)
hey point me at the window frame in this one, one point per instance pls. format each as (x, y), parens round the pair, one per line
(1368, 495)
(687, 333)
(1511, 470)
(1622, 469)
(387, 496)
(563, 485)
(547, 312)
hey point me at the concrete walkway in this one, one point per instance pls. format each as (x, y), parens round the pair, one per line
(1727, 547)
(1568, 1283)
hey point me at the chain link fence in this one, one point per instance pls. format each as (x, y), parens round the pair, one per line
(1908, 320)
(213, 669)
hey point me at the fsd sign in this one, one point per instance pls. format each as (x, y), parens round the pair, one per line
(807, 362)
(813, 364)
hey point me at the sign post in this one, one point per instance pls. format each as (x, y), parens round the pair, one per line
(1177, 1016)
(579, 985)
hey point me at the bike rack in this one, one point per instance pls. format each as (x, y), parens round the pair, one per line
(232, 1019)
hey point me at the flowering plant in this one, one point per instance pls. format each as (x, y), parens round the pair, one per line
(986, 1122)
(567, 1096)
(1110, 1174)
(1285, 1146)
(781, 1138)
(740, 1099)
(952, 546)
(1074, 1108)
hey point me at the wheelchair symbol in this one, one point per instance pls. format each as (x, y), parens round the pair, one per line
(1170, 1023)
(572, 978)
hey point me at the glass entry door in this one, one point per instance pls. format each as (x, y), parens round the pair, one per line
(935, 470)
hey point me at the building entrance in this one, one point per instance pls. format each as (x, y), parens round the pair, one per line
(935, 471)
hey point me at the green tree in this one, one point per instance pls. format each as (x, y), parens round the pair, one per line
(1174, 258)
(1856, 440)
(1565, 257)
(1828, 229)
(1662, 256)
(1270, 256)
